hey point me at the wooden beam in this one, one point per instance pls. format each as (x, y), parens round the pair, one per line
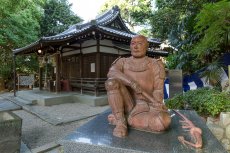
(14, 56)
(40, 78)
(58, 83)
(81, 61)
(98, 59)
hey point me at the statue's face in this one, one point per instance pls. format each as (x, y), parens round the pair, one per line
(138, 46)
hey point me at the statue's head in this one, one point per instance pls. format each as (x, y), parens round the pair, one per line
(139, 45)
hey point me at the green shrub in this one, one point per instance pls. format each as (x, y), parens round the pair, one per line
(207, 102)
(177, 102)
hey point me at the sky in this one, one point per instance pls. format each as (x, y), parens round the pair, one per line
(86, 9)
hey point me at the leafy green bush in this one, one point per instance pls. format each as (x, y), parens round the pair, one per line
(207, 102)
(177, 102)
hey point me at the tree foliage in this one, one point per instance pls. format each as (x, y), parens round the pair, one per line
(175, 16)
(57, 17)
(213, 25)
(175, 21)
(133, 12)
(199, 31)
(19, 25)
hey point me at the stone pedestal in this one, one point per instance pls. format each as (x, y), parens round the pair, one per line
(175, 82)
(221, 128)
(96, 137)
(10, 132)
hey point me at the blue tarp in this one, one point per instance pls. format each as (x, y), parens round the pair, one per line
(194, 81)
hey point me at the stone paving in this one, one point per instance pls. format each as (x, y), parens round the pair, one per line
(64, 113)
(8, 105)
(44, 126)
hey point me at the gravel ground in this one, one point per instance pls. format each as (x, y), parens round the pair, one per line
(36, 132)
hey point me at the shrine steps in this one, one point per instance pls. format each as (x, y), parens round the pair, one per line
(45, 98)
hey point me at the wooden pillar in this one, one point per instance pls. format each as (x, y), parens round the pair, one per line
(57, 82)
(81, 61)
(14, 56)
(98, 59)
(61, 65)
(40, 77)
(98, 68)
(96, 84)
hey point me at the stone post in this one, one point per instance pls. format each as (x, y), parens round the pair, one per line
(175, 82)
(10, 132)
(229, 77)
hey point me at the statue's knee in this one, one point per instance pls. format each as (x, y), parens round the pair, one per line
(160, 122)
(112, 84)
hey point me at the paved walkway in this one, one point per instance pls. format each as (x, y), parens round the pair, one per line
(60, 114)
(44, 126)
(8, 105)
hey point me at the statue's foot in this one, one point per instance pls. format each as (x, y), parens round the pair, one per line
(112, 120)
(120, 130)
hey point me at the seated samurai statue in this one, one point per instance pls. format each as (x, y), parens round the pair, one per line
(135, 91)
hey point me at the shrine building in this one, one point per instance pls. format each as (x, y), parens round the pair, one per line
(79, 58)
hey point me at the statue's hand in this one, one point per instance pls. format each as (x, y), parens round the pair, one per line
(136, 87)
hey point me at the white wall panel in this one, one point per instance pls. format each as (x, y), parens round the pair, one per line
(108, 50)
(106, 42)
(89, 43)
(123, 52)
(71, 53)
(89, 50)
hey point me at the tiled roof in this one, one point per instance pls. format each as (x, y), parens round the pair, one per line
(100, 23)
